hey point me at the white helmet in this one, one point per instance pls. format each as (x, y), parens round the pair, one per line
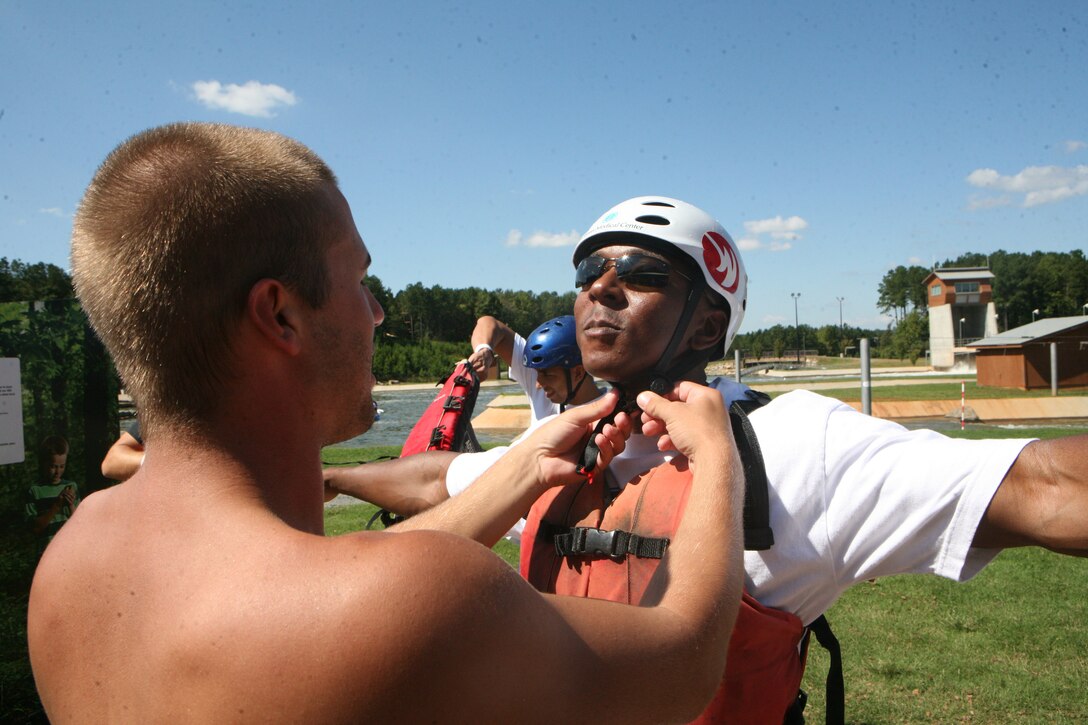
(652, 220)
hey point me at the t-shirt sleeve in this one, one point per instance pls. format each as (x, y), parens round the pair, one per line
(854, 497)
(907, 501)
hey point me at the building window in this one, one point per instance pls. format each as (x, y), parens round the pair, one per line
(935, 291)
(966, 287)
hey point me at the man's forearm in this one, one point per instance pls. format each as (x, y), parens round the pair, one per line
(1043, 500)
(405, 486)
(487, 509)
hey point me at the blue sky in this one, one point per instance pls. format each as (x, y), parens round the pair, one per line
(476, 141)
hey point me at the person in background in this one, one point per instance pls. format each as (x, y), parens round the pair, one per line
(547, 366)
(51, 501)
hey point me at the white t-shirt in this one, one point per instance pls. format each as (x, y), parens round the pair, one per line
(852, 497)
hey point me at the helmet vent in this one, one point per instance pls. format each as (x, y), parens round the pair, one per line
(658, 203)
(653, 219)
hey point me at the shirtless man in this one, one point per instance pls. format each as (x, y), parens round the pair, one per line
(223, 270)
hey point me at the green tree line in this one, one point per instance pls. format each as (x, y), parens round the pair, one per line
(427, 329)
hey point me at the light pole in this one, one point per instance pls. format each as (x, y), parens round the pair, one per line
(796, 326)
(962, 320)
(1034, 313)
(842, 334)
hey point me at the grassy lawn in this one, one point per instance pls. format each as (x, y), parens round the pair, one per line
(1007, 646)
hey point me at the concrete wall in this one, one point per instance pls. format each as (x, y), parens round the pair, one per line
(941, 337)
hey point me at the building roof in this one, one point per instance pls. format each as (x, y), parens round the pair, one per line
(953, 274)
(1032, 332)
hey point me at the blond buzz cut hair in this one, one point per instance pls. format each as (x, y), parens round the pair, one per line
(176, 226)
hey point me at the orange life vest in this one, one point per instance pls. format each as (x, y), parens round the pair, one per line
(765, 658)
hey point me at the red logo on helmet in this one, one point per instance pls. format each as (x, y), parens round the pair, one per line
(721, 261)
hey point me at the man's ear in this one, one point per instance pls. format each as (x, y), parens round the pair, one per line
(274, 312)
(710, 327)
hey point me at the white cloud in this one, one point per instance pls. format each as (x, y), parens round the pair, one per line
(1038, 184)
(249, 99)
(777, 226)
(782, 232)
(1071, 147)
(542, 239)
(52, 211)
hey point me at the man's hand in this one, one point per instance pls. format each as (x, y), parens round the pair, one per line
(691, 419)
(559, 443)
(481, 361)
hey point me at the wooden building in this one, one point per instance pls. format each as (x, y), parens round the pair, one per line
(1021, 358)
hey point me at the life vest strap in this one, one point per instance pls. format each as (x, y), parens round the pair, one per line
(586, 541)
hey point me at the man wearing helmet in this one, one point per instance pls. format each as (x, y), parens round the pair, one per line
(850, 497)
(548, 366)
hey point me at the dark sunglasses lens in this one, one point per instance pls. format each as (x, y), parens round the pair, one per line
(588, 270)
(633, 269)
(636, 269)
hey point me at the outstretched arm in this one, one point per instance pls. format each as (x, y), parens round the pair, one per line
(489, 338)
(1043, 500)
(405, 486)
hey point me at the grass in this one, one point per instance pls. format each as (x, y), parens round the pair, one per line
(1007, 646)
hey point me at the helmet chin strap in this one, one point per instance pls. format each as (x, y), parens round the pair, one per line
(670, 366)
(571, 392)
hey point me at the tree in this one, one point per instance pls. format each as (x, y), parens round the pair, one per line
(902, 288)
(21, 282)
(910, 337)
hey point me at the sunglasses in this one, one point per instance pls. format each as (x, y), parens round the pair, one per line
(638, 270)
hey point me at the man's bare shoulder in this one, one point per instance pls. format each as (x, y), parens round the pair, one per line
(323, 627)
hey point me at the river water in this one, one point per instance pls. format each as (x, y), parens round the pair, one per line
(401, 410)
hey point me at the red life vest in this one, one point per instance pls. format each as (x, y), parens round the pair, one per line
(765, 661)
(446, 423)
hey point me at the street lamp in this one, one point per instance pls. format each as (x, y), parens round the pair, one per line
(796, 326)
(842, 333)
(962, 320)
(1034, 313)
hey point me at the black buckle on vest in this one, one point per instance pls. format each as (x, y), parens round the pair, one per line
(617, 545)
(454, 402)
(597, 541)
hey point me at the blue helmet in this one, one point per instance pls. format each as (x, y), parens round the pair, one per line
(553, 344)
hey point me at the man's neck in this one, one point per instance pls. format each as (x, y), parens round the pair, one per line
(245, 463)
